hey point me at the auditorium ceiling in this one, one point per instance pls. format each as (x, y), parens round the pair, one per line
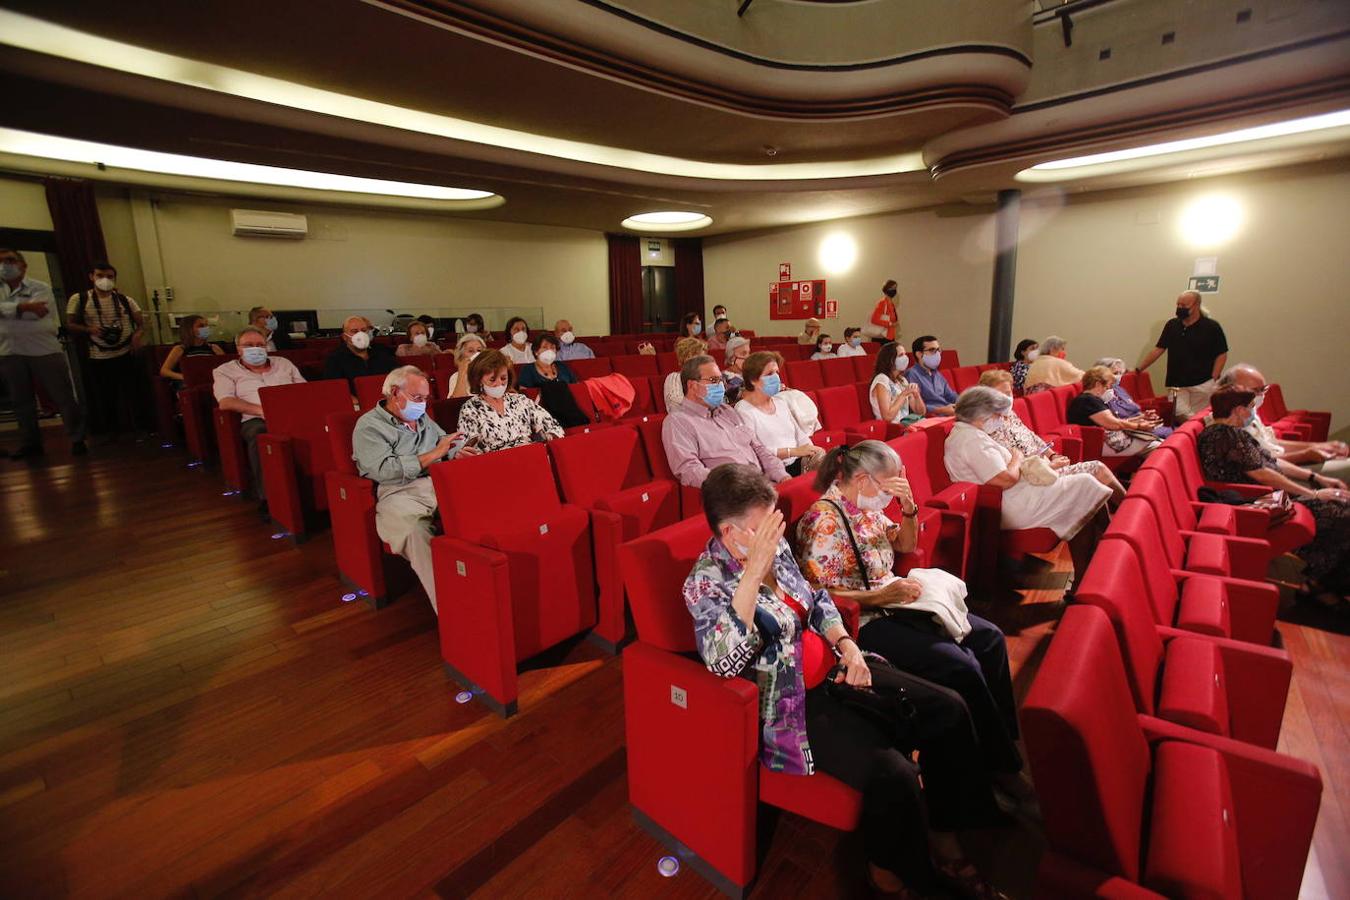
(584, 112)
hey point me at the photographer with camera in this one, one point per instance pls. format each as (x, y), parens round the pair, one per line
(116, 329)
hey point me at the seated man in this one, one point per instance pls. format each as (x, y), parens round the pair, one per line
(567, 338)
(261, 317)
(1326, 460)
(236, 390)
(938, 396)
(722, 332)
(358, 356)
(703, 432)
(393, 444)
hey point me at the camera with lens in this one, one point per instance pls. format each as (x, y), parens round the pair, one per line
(111, 335)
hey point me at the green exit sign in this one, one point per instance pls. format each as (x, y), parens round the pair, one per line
(1205, 284)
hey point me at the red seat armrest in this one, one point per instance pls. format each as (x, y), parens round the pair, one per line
(478, 643)
(1251, 607)
(607, 534)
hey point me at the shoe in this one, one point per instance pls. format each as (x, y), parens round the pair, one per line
(30, 452)
(79, 448)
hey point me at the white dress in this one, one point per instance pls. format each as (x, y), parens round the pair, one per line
(519, 355)
(775, 430)
(1063, 507)
(895, 387)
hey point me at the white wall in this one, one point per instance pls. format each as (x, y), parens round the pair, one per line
(940, 257)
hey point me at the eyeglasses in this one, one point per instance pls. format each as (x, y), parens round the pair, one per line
(418, 398)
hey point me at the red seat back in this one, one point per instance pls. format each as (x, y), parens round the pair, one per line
(1088, 755)
(1044, 412)
(1151, 485)
(340, 426)
(582, 395)
(913, 450)
(595, 465)
(197, 370)
(1130, 382)
(645, 392)
(666, 363)
(964, 377)
(446, 412)
(838, 406)
(300, 412)
(863, 367)
(1063, 394)
(1274, 407)
(1144, 387)
(636, 366)
(951, 359)
(1135, 525)
(804, 375)
(472, 492)
(590, 368)
(1115, 583)
(649, 429)
(369, 390)
(837, 372)
(654, 570)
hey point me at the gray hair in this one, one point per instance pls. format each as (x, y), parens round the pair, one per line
(735, 344)
(980, 402)
(1053, 344)
(1229, 376)
(469, 337)
(1109, 362)
(250, 329)
(253, 313)
(689, 371)
(842, 463)
(399, 377)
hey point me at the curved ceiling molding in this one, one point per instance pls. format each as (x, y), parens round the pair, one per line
(34, 35)
(772, 63)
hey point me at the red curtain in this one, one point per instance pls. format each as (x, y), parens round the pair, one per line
(689, 277)
(625, 284)
(79, 234)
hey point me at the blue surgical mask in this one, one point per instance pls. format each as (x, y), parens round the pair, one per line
(698, 328)
(204, 332)
(932, 360)
(855, 342)
(716, 393)
(254, 356)
(771, 384)
(413, 411)
(271, 323)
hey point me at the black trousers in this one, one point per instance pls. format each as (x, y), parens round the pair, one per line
(113, 390)
(249, 431)
(850, 746)
(976, 668)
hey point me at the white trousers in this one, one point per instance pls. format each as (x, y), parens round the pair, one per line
(403, 519)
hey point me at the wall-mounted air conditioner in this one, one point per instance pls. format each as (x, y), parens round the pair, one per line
(259, 223)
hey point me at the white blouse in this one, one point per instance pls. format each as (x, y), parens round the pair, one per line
(776, 429)
(519, 355)
(894, 387)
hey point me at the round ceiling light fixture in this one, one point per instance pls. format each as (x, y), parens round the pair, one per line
(669, 220)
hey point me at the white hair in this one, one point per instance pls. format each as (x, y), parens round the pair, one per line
(1109, 362)
(399, 377)
(980, 402)
(469, 337)
(1229, 376)
(1053, 344)
(735, 344)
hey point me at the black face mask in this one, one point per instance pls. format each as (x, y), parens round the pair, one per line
(889, 292)
(1183, 313)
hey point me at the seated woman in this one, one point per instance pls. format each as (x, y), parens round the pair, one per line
(859, 482)
(518, 339)
(771, 419)
(473, 324)
(496, 417)
(737, 352)
(193, 332)
(1229, 453)
(1051, 368)
(756, 617)
(1124, 437)
(1119, 401)
(1073, 506)
(685, 348)
(691, 325)
(467, 348)
(418, 342)
(824, 347)
(546, 367)
(892, 397)
(1014, 434)
(1025, 354)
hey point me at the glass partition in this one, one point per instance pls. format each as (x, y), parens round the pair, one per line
(300, 322)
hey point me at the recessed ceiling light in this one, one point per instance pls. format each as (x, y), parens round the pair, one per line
(27, 143)
(669, 220)
(1069, 167)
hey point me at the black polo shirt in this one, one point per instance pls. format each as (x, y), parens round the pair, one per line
(343, 363)
(1191, 350)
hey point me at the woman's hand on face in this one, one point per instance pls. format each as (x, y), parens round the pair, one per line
(898, 486)
(764, 546)
(855, 671)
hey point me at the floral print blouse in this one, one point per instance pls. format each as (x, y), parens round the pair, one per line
(770, 653)
(827, 557)
(524, 421)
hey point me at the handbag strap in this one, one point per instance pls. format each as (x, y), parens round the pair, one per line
(853, 542)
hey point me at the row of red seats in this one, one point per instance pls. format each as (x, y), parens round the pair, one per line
(1152, 724)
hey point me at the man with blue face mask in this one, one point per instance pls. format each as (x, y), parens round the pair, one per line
(938, 396)
(262, 318)
(393, 444)
(703, 432)
(236, 385)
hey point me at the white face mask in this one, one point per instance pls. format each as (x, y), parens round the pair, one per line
(991, 424)
(901, 362)
(1031, 355)
(361, 340)
(875, 503)
(104, 284)
(497, 392)
(471, 329)
(520, 337)
(547, 356)
(567, 337)
(419, 340)
(826, 348)
(1108, 396)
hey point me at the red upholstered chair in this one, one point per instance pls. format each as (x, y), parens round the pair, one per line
(838, 407)
(963, 377)
(1273, 410)
(1201, 602)
(606, 473)
(666, 363)
(446, 412)
(1224, 687)
(676, 711)
(512, 580)
(1137, 806)
(363, 560)
(649, 429)
(1141, 389)
(229, 442)
(804, 375)
(921, 452)
(645, 397)
(196, 403)
(837, 372)
(1220, 518)
(590, 368)
(369, 390)
(863, 367)
(1047, 420)
(635, 366)
(951, 359)
(295, 451)
(1064, 444)
(1189, 546)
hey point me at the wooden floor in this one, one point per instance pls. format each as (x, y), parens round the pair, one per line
(188, 708)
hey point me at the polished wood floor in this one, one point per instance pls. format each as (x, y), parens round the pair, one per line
(187, 708)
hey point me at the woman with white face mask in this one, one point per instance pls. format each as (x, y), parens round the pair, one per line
(546, 367)
(517, 347)
(849, 545)
(467, 349)
(1025, 354)
(496, 417)
(892, 397)
(1072, 506)
(418, 342)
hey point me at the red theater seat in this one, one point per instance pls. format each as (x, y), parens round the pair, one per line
(1131, 801)
(590, 368)
(369, 390)
(1274, 412)
(512, 580)
(296, 452)
(838, 407)
(606, 473)
(649, 428)
(362, 561)
(837, 372)
(804, 375)
(963, 377)
(921, 452)
(636, 366)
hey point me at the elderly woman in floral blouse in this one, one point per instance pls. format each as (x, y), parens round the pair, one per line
(755, 616)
